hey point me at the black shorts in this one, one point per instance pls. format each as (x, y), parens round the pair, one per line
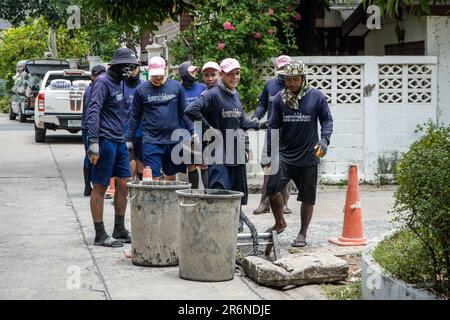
(305, 178)
(229, 178)
(137, 149)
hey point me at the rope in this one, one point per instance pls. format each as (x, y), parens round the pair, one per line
(253, 231)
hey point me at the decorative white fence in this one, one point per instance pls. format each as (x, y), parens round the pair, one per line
(376, 103)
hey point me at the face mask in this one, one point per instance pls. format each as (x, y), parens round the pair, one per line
(187, 78)
(127, 71)
(132, 81)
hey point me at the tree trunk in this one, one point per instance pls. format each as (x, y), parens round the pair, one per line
(52, 42)
(307, 35)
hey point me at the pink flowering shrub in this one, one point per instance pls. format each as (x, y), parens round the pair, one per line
(247, 30)
(228, 26)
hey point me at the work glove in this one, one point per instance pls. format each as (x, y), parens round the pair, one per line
(129, 144)
(321, 148)
(263, 124)
(94, 152)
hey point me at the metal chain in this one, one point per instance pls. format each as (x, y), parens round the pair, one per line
(253, 231)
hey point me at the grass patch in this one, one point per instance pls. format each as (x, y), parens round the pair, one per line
(343, 292)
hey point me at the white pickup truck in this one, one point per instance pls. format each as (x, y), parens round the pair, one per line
(59, 103)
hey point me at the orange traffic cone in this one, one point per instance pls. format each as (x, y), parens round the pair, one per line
(111, 189)
(352, 231)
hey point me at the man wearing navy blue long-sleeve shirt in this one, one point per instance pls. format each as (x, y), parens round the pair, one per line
(192, 90)
(296, 113)
(265, 105)
(160, 104)
(107, 148)
(136, 158)
(219, 108)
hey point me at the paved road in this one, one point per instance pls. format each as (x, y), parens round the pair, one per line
(46, 231)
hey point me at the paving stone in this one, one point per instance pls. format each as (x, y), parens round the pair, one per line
(295, 269)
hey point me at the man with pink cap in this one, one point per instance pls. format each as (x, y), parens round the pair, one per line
(160, 104)
(271, 88)
(220, 109)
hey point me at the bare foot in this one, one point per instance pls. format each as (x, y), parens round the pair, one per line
(127, 253)
(278, 228)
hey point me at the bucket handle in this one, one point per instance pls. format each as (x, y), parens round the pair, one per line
(182, 204)
(133, 197)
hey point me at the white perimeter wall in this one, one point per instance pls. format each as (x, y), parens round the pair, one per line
(376, 103)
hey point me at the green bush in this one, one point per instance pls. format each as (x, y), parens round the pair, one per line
(30, 42)
(405, 257)
(422, 200)
(2, 87)
(247, 30)
(4, 104)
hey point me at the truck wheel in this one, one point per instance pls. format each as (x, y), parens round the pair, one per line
(39, 134)
(22, 117)
(12, 115)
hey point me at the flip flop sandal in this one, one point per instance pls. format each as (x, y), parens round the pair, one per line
(278, 232)
(110, 243)
(298, 243)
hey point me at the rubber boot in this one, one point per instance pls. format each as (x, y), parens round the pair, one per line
(264, 206)
(285, 193)
(87, 182)
(277, 204)
(204, 174)
(193, 178)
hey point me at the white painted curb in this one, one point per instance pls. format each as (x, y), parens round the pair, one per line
(377, 284)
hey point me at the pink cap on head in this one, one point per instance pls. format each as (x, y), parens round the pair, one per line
(282, 61)
(211, 65)
(229, 64)
(156, 66)
(193, 69)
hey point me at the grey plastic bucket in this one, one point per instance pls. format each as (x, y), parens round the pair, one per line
(208, 233)
(155, 222)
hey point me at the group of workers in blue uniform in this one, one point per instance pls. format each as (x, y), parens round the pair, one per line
(128, 124)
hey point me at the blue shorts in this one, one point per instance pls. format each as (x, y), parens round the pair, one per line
(113, 162)
(229, 178)
(158, 156)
